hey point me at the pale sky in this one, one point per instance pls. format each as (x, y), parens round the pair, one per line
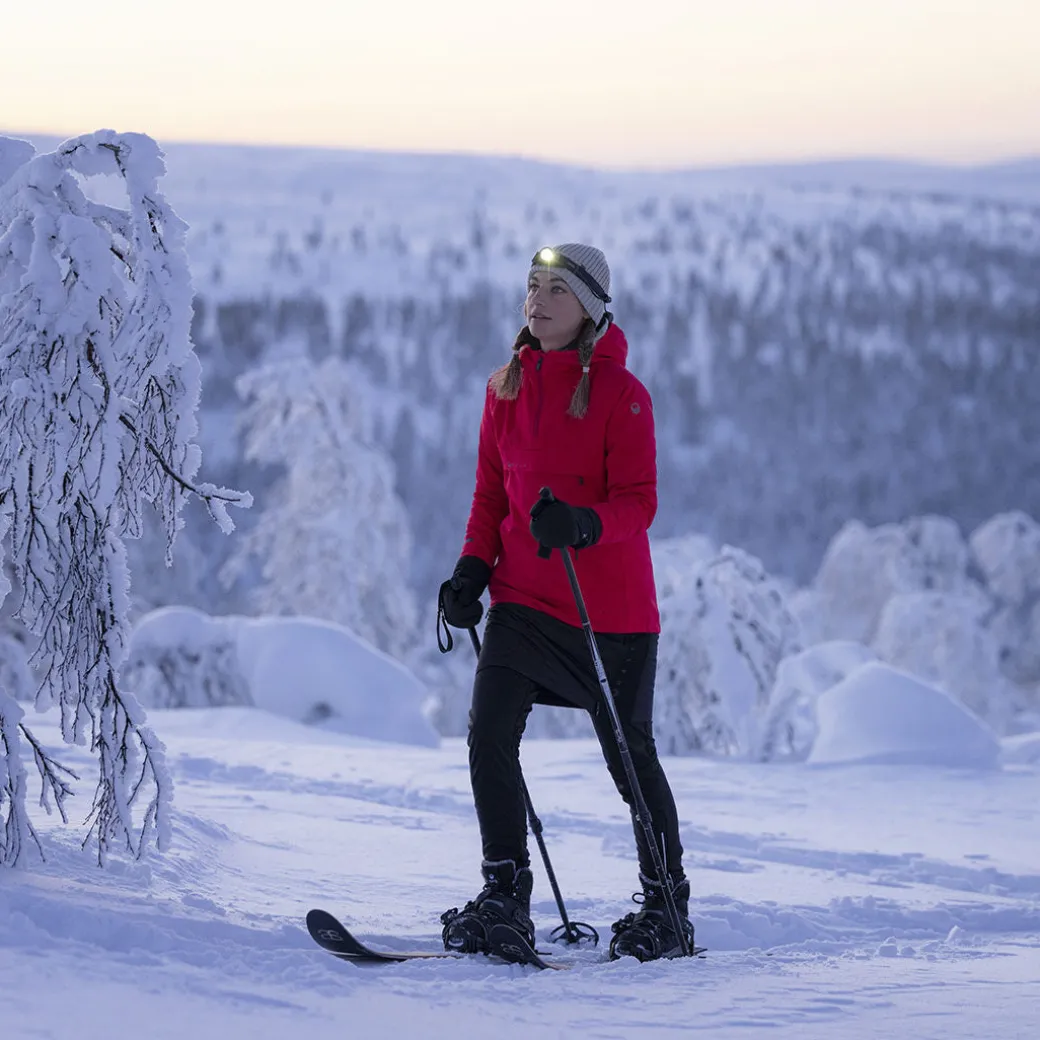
(641, 83)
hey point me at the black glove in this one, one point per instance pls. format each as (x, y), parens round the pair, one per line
(556, 524)
(459, 597)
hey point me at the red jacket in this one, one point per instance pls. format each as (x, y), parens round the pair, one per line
(607, 460)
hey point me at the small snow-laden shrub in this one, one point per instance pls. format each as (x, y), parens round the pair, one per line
(723, 637)
(863, 567)
(676, 559)
(788, 725)
(1007, 552)
(181, 658)
(943, 639)
(305, 669)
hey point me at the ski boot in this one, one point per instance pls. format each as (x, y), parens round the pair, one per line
(505, 899)
(648, 933)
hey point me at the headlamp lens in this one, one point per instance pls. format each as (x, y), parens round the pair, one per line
(547, 255)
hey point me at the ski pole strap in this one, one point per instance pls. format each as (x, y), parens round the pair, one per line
(446, 643)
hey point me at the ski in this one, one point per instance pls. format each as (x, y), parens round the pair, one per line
(506, 943)
(510, 945)
(330, 934)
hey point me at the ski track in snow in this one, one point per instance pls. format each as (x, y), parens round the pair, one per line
(850, 936)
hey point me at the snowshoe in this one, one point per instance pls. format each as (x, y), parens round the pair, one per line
(647, 934)
(505, 899)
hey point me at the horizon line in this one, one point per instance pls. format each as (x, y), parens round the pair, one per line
(831, 160)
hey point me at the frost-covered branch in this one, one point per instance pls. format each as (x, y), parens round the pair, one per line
(16, 830)
(216, 499)
(54, 777)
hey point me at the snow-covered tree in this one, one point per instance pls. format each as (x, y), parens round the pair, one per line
(942, 637)
(1007, 551)
(723, 635)
(99, 386)
(863, 567)
(333, 539)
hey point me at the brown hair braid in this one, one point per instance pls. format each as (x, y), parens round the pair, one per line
(586, 345)
(506, 380)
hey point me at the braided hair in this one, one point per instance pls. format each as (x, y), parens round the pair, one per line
(506, 380)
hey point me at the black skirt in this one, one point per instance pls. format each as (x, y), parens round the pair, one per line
(556, 657)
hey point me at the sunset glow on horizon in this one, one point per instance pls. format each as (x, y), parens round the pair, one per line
(659, 83)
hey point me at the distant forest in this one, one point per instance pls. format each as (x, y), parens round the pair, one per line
(813, 357)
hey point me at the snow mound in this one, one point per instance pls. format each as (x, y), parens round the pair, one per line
(880, 715)
(788, 727)
(305, 669)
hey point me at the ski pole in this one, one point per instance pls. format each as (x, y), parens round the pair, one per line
(642, 813)
(569, 931)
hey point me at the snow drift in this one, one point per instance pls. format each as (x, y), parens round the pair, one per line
(880, 715)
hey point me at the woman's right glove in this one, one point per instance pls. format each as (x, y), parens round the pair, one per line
(459, 597)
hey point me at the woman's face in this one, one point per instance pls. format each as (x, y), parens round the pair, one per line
(554, 313)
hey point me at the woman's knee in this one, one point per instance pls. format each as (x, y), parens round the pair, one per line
(501, 703)
(494, 727)
(643, 752)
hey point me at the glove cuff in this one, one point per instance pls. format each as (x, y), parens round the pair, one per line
(590, 527)
(474, 570)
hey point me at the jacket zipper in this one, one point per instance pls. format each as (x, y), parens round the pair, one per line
(538, 406)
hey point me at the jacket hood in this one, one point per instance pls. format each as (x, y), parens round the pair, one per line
(611, 346)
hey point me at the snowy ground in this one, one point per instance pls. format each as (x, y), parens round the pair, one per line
(841, 902)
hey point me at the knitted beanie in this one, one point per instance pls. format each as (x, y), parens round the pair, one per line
(594, 263)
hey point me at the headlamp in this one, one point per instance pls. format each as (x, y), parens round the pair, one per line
(549, 257)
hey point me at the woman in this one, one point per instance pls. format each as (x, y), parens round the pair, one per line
(564, 413)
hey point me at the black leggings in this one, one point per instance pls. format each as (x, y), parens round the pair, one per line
(502, 700)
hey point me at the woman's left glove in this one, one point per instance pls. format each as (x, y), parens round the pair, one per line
(557, 525)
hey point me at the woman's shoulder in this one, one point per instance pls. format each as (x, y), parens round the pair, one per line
(620, 383)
